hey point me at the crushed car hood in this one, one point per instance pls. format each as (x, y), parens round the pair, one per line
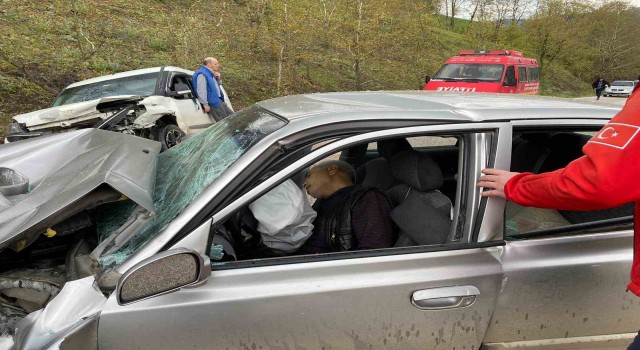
(62, 171)
(68, 111)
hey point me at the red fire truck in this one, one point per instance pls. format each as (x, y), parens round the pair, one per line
(501, 71)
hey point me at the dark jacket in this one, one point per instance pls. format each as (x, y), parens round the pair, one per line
(341, 235)
(604, 84)
(353, 218)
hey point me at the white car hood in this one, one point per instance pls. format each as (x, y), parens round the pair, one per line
(63, 171)
(65, 112)
(626, 88)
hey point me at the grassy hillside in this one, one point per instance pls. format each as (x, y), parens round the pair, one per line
(266, 47)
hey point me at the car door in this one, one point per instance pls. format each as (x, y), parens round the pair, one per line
(522, 79)
(510, 82)
(565, 279)
(421, 297)
(190, 115)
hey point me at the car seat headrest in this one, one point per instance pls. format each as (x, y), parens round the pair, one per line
(416, 170)
(538, 138)
(388, 148)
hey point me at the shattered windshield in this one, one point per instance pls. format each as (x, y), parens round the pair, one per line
(471, 72)
(138, 85)
(186, 170)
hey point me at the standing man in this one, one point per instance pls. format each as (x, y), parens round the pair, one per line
(605, 177)
(599, 84)
(207, 86)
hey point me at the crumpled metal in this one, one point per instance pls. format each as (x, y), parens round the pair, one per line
(64, 168)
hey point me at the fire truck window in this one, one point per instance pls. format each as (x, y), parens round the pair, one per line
(533, 74)
(510, 77)
(522, 74)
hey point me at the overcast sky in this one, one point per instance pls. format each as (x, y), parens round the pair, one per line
(465, 13)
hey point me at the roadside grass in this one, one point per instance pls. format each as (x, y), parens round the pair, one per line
(48, 45)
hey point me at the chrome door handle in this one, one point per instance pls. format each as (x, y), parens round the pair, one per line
(444, 297)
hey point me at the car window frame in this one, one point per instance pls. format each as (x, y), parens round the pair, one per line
(578, 229)
(196, 212)
(471, 211)
(173, 76)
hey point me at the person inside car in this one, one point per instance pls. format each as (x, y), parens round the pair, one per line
(350, 217)
(471, 72)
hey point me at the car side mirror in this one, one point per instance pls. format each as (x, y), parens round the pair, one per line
(181, 90)
(161, 274)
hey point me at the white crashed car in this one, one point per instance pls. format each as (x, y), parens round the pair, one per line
(620, 88)
(155, 103)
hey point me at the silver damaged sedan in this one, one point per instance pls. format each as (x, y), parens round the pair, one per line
(108, 244)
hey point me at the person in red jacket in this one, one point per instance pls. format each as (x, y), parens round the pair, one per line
(605, 176)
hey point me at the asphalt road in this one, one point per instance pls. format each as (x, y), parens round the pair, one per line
(617, 101)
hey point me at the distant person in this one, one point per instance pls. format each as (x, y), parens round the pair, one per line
(350, 217)
(495, 73)
(599, 84)
(206, 83)
(471, 72)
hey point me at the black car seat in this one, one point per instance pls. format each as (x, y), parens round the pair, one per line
(564, 147)
(530, 153)
(421, 212)
(376, 172)
(355, 155)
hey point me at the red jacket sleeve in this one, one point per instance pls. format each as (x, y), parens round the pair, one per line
(608, 175)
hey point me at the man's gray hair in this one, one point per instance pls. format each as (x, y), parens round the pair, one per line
(207, 61)
(345, 167)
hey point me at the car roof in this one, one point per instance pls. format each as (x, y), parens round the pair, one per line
(128, 74)
(431, 105)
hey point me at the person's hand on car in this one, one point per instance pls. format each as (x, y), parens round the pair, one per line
(207, 108)
(494, 180)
